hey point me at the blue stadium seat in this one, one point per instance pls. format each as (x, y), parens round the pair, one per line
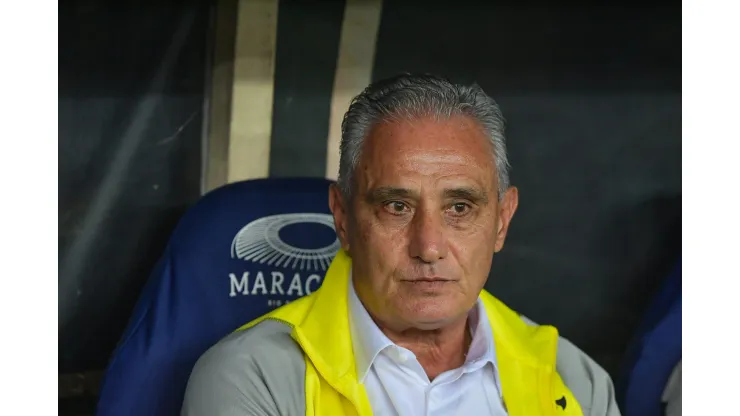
(241, 251)
(655, 352)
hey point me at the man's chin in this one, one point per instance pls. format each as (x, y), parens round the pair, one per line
(433, 318)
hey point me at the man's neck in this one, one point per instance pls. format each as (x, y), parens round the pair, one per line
(436, 350)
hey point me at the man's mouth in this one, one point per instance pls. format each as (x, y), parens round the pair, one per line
(434, 279)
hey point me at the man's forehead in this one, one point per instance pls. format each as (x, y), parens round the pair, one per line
(426, 166)
(426, 153)
(454, 140)
(456, 131)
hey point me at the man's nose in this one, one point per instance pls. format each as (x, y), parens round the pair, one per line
(428, 242)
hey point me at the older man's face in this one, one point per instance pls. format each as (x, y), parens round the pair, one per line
(424, 221)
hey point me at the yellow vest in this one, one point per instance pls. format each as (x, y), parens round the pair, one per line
(526, 354)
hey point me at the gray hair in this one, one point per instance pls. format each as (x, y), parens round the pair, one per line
(409, 96)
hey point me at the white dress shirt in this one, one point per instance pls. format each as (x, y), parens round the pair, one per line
(396, 383)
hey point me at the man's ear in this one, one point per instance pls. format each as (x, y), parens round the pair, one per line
(506, 209)
(340, 210)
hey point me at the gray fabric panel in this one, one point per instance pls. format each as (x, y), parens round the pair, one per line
(672, 393)
(260, 371)
(588, 381)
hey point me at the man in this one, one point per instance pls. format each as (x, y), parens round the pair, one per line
(401, 325)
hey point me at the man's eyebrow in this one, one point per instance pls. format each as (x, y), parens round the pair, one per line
(471, 194)
(386, 192)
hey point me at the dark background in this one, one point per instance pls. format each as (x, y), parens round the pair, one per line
(131, 97)
(591, 92)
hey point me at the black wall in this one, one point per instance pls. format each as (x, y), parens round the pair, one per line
(131, 98)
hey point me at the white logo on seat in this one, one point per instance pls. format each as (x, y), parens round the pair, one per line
(260, 242)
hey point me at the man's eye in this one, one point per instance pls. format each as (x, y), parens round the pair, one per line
(395, 207)
(460, 208)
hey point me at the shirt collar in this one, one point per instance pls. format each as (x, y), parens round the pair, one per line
(368, 340)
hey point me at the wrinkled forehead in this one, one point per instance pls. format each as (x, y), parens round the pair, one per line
(427, 152)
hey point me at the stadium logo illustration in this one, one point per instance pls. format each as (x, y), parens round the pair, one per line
(260, 242)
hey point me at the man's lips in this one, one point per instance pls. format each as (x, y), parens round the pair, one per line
(428, 280)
